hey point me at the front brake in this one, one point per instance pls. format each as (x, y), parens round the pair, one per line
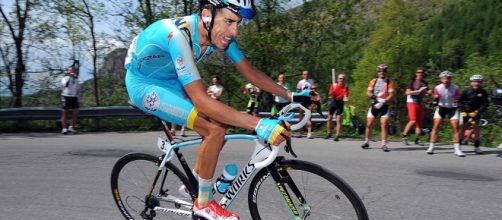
(288, 147)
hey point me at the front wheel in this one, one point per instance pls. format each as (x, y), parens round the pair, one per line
(303, 190)
(132, 180)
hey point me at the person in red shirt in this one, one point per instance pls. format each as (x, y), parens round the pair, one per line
(415, 93)
(338, 94)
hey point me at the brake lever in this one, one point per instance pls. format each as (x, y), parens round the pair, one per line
(288, 147)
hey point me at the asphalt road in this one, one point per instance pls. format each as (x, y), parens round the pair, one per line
(51, 176)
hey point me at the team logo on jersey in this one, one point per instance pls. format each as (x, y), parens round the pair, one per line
(180, 64)
(169, 37)
(151, 102)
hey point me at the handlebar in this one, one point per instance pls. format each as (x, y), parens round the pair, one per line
(269, 160)
(286, 115)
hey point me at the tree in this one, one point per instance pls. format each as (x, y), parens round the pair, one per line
(16, 27)
(397, 42)
(86, 13)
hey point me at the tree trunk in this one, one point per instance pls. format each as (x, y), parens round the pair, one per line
(20, 70)
(94, 52)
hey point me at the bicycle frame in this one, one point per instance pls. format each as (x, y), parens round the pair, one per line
(261, 157)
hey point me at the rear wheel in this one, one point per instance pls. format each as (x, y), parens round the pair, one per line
(131, 180)
(315, 193)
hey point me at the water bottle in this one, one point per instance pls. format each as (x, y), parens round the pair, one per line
(226, 178)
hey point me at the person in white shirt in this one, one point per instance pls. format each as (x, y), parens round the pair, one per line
(69, 99)
(308, 83)
(215, 90)
(279, 101)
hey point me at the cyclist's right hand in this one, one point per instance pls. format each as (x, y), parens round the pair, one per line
(270, 130)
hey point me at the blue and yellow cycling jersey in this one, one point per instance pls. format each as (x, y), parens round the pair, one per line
(161, 61)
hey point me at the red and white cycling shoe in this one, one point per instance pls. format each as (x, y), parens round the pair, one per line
(213, 211)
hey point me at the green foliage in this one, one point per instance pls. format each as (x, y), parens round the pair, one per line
(396, 42)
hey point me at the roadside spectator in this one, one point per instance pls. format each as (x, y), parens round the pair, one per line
(279, 101)
(381, 92)
(415, 92)
(216, 89)
(446, 96)
(473, 102)
(308, 83)
(338, 94)
(69, 98)
(253, 93)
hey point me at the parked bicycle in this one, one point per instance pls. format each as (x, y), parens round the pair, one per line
(145, 185)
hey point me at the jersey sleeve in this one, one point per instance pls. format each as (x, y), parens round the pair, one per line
(233, 52)
(391, 86)
(181, 55)
(65, 81)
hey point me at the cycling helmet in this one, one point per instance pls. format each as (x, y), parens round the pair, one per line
(381, 67)
(477, 78)
(240, 7)
(243, 8)
(445, 74)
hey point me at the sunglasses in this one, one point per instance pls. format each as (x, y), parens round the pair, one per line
(341, 78)
(420, 72)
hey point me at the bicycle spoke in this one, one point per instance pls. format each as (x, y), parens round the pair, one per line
(322, 198)
(134, 179)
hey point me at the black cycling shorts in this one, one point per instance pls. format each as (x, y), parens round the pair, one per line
(383, 111)
(335, 107)
(442, 113)
(69, 102)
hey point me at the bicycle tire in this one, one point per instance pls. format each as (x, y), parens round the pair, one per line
(274, 202)
(131, 179)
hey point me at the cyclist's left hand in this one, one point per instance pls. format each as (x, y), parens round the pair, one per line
(270, 130)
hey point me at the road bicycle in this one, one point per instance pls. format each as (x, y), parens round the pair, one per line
(145, 186)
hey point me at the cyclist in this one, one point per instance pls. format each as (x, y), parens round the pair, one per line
(162, 79)
(310, 85)
(473, 102)
(446, 96)
(216, 89)
(381, 92)
(415, 92)
(253, 93)
(338, 94)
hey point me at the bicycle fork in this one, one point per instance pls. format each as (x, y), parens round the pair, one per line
(282, 178)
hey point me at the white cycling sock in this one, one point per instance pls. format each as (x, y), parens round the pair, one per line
(205, 191)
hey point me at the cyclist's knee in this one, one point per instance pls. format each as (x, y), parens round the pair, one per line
(215, 129)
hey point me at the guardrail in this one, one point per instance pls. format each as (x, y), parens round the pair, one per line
(51, 113)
